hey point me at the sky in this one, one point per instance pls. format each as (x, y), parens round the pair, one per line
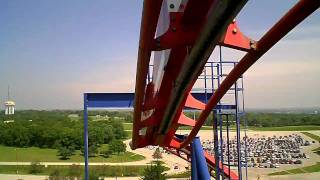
(53, 51)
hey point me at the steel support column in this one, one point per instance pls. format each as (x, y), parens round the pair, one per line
(199, 161)
(215, 144)
(85, 125)
(238, 132)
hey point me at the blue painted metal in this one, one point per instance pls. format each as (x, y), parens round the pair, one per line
(199, 168)
(205, 86)
(102, 100)
(85, 119)
(215, 144)
(126, 100)
(238, 134)
(194, 172)
(228, 143)
(220, 73)
(245, 135)
(110, 100)
(233, 108)
(245, 147)
(216, 139)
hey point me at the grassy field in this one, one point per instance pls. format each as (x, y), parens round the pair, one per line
(127, 126)
(189, 128)
(129, 134)
(313, 136)
(11, 154)
(185, 174)
(108, 171)
(306, 169)
(286, 128)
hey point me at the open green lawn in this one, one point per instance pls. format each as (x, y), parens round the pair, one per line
(189, 128)
(129, 134)
(279, 173)
(306, 169)
(65, 170)
(127, 126)
(313, 136)
(286, 128)
(186, 174)
(11, 154)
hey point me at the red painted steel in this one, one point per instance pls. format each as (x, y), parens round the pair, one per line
(234, 38)
(184, 31)
(150, 14)
(220, 14)
(296, 15)
(192, 102)
(210, 160)
(186, 121)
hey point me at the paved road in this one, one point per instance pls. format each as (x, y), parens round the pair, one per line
(24, 177)
(35, 177)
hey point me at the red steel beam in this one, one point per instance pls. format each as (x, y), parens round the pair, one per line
(219, 17)
(209, 159)
(291, 19)
(150, 15)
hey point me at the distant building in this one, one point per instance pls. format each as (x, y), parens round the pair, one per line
(9, 105)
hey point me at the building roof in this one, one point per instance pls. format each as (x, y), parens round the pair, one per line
(9, 103)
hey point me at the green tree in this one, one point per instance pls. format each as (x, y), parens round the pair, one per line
(96, 134)
(106, 153)
(65, 152)
(118, 129)
(66, 144)
(108, 134)
(117, 146)
(154, 172)
(92, 150)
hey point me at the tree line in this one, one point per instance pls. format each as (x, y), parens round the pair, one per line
(56, 115)
(256, 119)
(54, 129)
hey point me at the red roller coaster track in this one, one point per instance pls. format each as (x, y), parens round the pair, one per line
(194, 30)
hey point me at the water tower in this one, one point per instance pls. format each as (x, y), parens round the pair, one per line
(9, 105)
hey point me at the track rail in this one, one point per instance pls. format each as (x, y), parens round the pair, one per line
(194, 30)
(290, 20)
